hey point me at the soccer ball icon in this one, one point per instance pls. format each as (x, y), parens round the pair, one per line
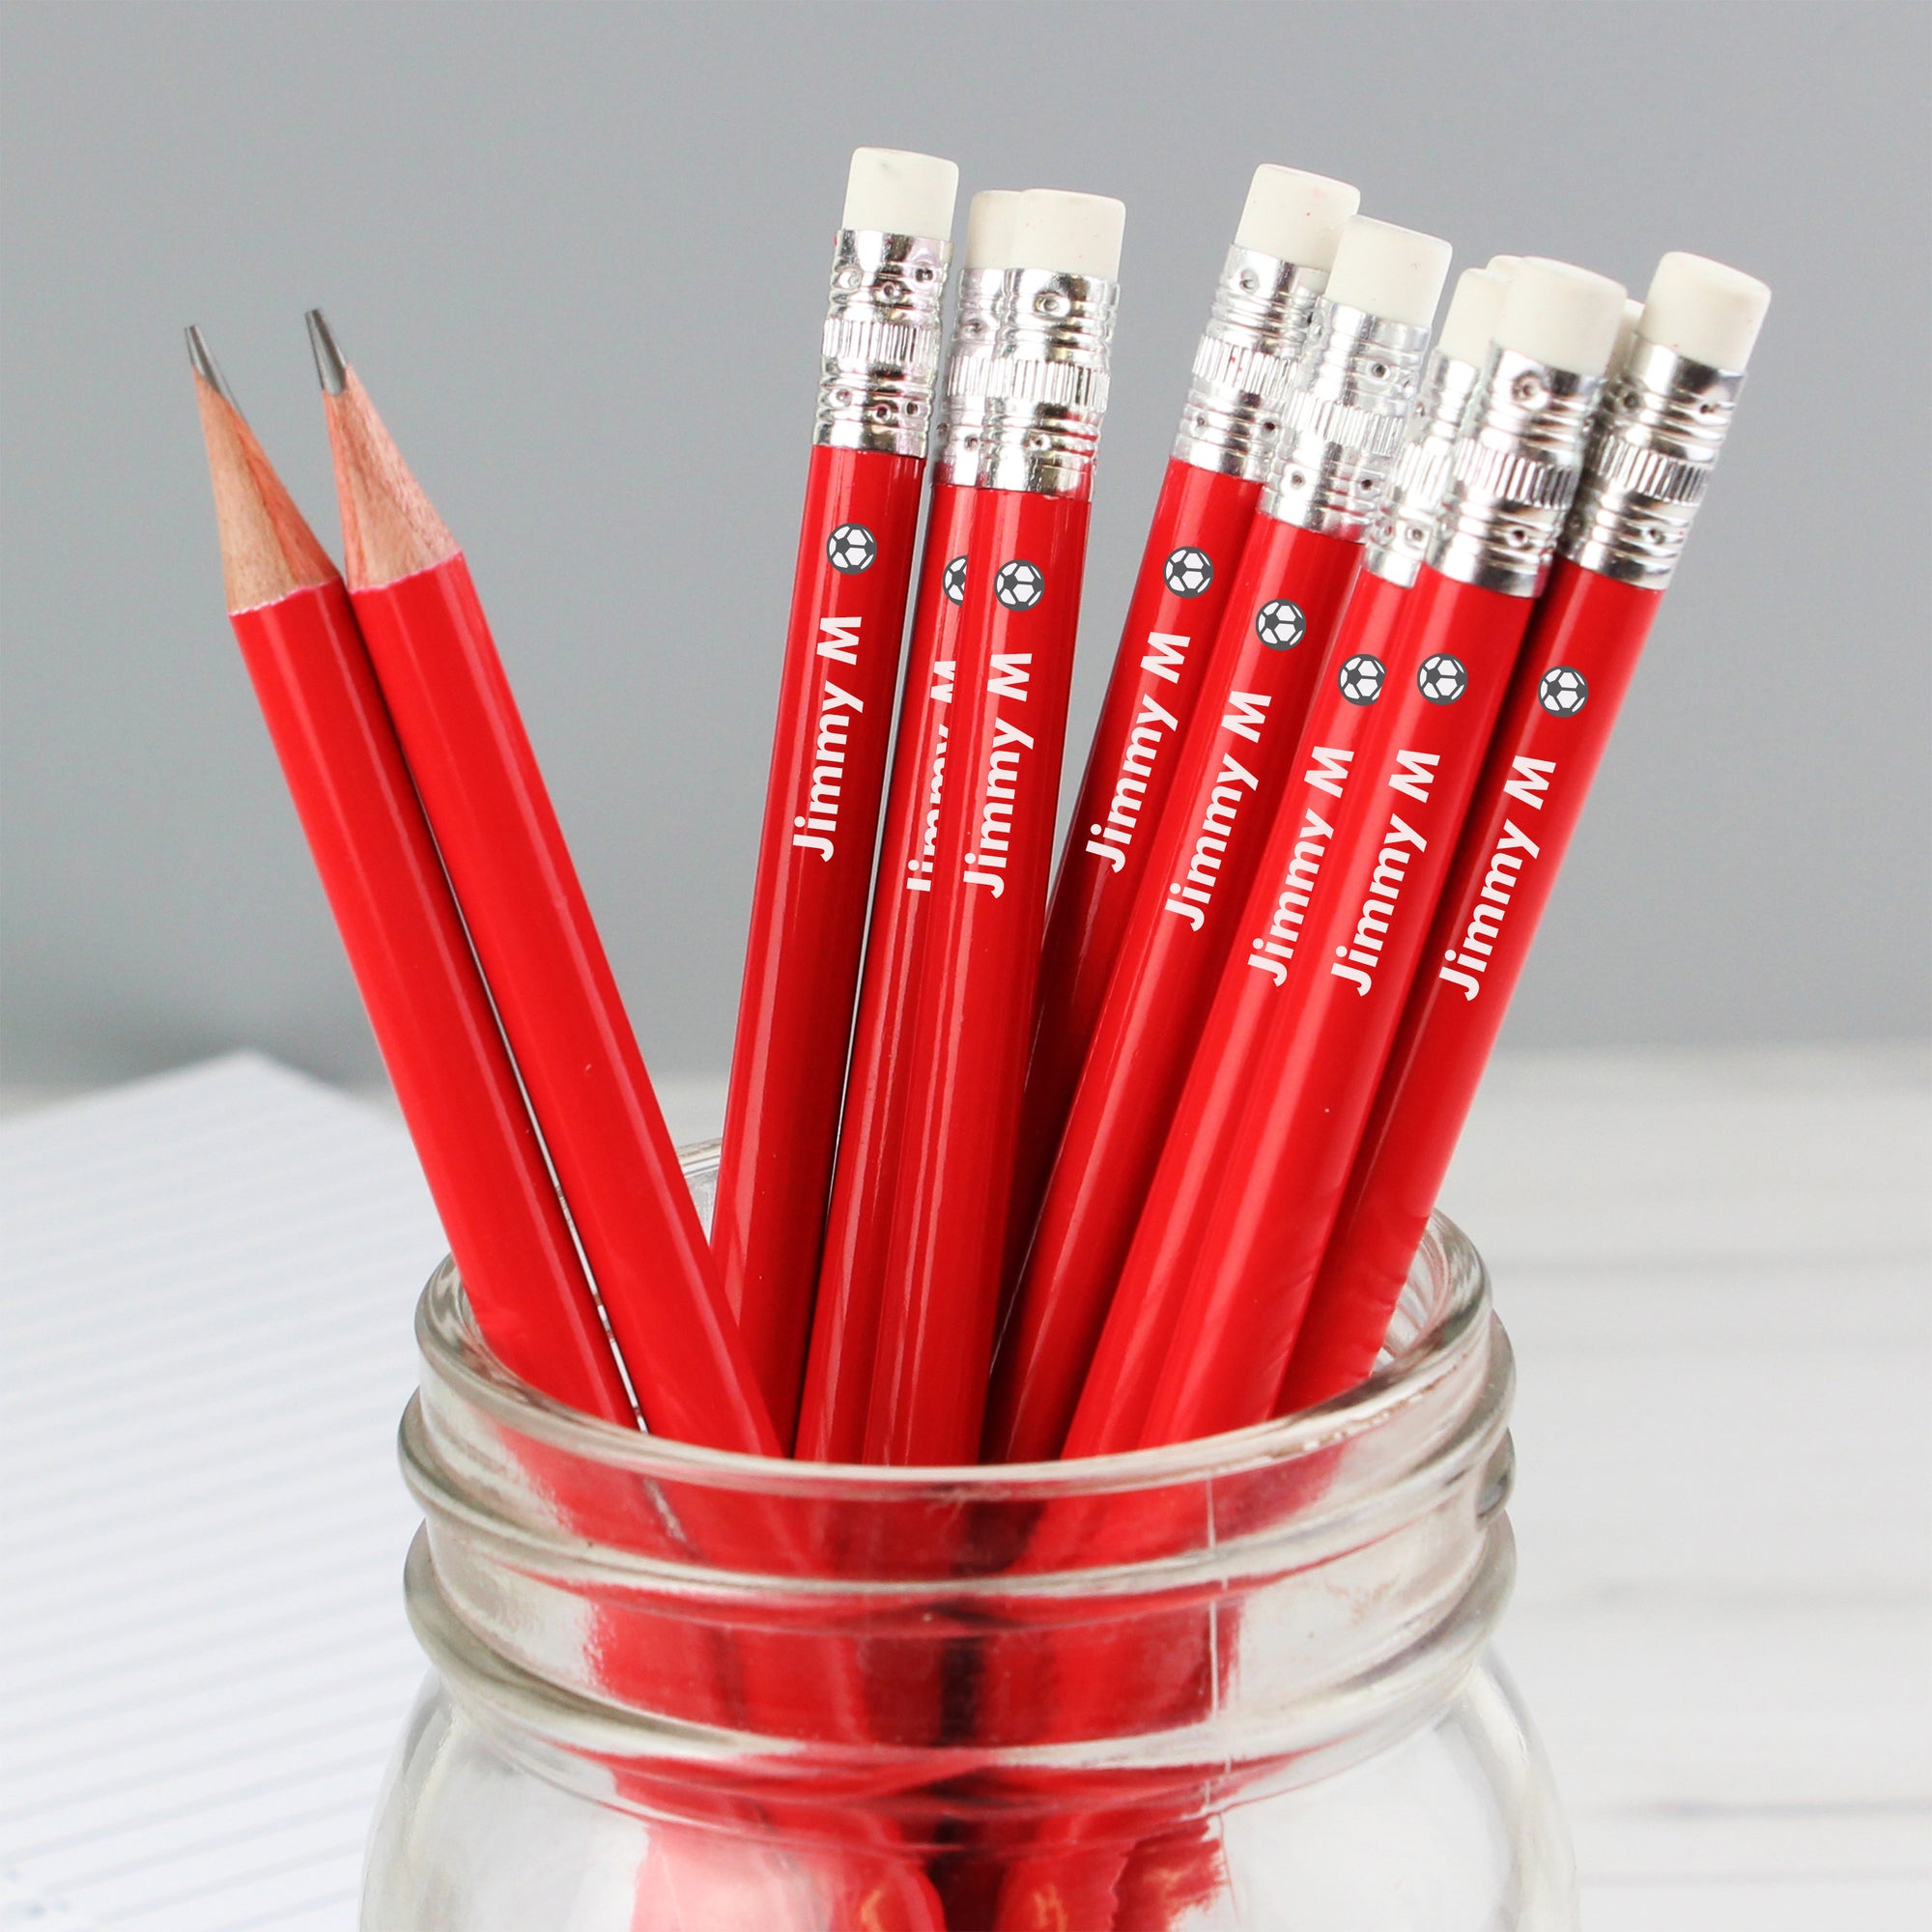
(952, 581)
(1188, 571)
(1563, 691)
(1020, 584)
(1279, 624)
(1361, 679)
(1442, 680)
(851, 548)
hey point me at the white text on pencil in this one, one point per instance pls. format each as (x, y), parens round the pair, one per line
(815, 829)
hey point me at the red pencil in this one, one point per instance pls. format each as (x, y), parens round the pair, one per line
(1240, 1209)
(1122, 1366)
(855, 556)
(400, 928)
(531, 928)
(845, 1316)
(1660, 430)
(1047, 396)
(1344, 425)
(1243, 369)
(439, 1038)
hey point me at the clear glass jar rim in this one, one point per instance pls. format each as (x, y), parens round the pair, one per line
(1448, 1280)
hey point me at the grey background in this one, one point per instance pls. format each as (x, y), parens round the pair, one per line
(578, 255)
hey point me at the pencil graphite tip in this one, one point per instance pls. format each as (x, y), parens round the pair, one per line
(329, 368)
(204, 365)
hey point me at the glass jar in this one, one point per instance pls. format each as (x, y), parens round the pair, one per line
(1238, 1683)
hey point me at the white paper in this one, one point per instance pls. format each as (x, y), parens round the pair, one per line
(206, 1285)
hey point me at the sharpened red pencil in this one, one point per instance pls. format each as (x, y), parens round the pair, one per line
(842, 660)
(859, 1226)
(534, 938)
(1344, 425)
(1243, 369)
(379, 866)
(1663, 423)
(1240, 1212)
(974, 1010)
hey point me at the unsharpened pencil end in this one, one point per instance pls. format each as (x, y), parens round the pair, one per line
(331, 369)
(1295, 217)
(1704, 310)
(1504, 266)
(989, 228)
(1562, 315)
(1387, 270)
(900, 192)
(1469, 321)
(1068, 234)
(203, 366)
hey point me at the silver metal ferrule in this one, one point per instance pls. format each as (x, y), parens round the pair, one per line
(1663, 421)
(1399, 538)
(963, 414)
(881, 352)
(1342, 421)
(1044, 387)
(1245, 364)
(1514, 470)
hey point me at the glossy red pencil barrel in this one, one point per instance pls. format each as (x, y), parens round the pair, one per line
(406, 945)
(1235, 1225)
(1661, 429)
(1244, 367)
(859, 1224)
(1582, 654)
(1114, 1393)
(987, 907)
(808, 904)
(856, 547)
(845, 1316)
(1046, 392)
(1344, 424)
(1322, 1020)
(1187, 571)
(504, 851)
(1293, 584)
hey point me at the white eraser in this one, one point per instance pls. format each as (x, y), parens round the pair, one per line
(1295, 217)
(1070, 234)
(1469, 323)
(1504, 266)
(1627, 330)
(1704, 310)
(900, 192)
(1390, 271)
(1561, 315)
(989, 228)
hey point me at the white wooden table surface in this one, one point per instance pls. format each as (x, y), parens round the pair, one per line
(1715, 1269)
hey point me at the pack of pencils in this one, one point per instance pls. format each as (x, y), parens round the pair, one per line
(1023, 1159)
(1007, 1172)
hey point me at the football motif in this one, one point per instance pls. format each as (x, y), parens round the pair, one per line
(851, 548)
(1279, 624)
(1563, 691)
(1020, 584)
(952, 581)
(1188, 571)
(1442, 680)
(1361, 679)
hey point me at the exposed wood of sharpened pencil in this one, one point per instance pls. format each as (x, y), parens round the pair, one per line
(538, 945)
(267, 548)
(406, 944)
